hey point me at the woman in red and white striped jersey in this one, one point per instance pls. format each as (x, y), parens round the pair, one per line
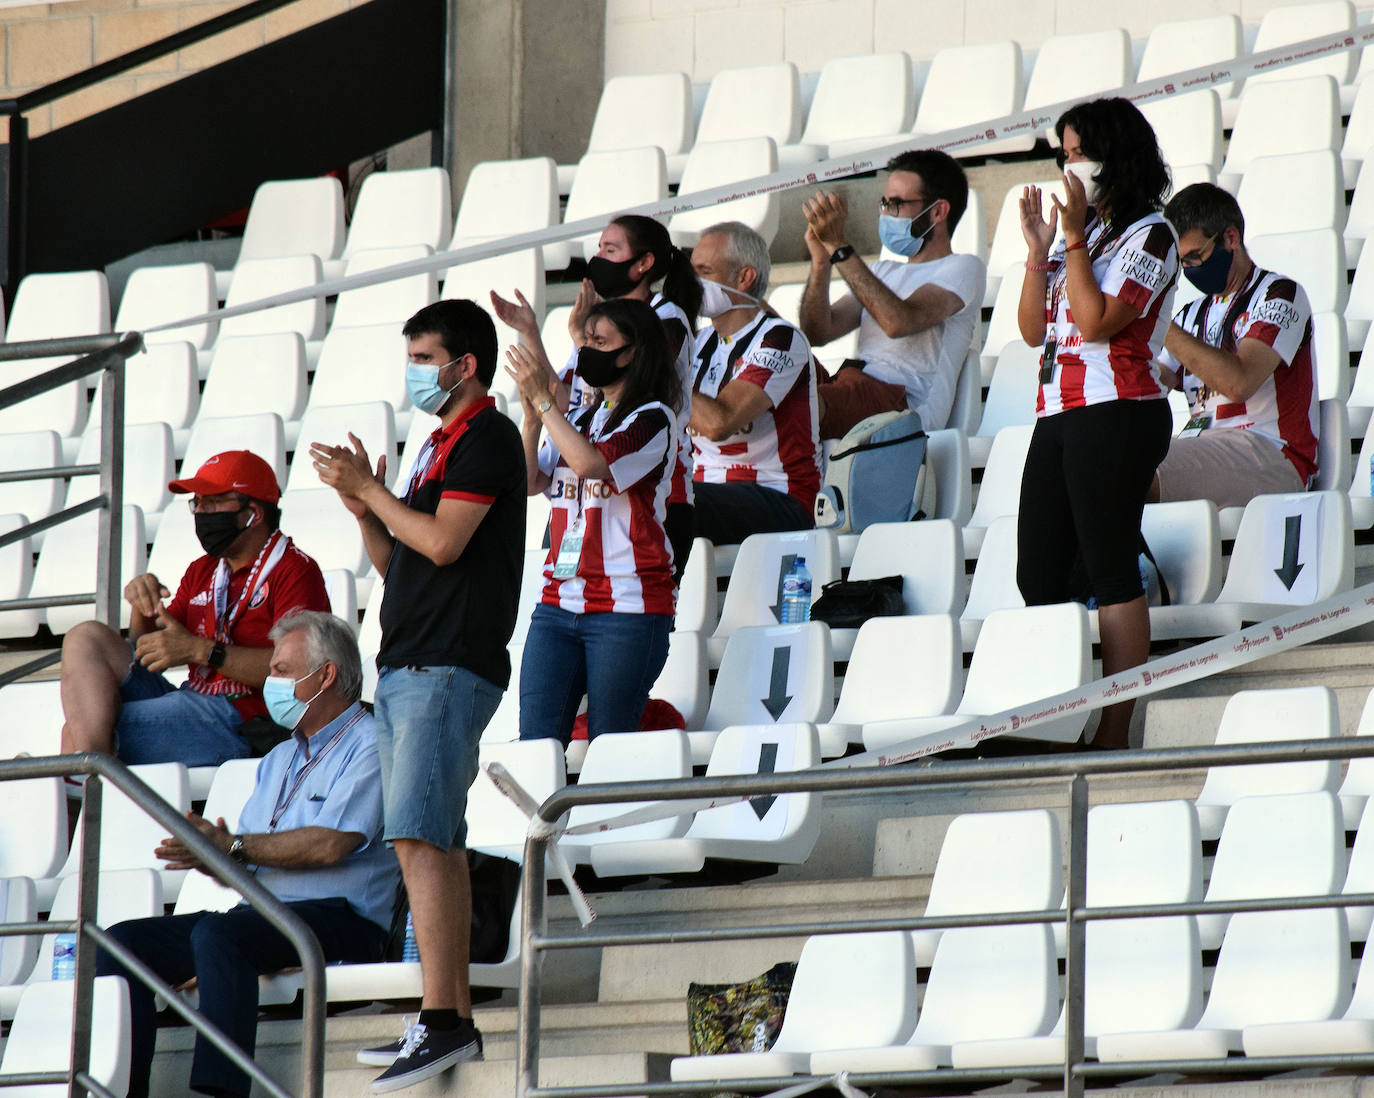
(601, 627)
(1099, 302)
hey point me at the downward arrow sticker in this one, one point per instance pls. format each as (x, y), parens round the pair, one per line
(1292, 533)
(768, 763)
(778, 699)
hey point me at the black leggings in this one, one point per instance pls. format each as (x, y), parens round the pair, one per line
(1082, 493)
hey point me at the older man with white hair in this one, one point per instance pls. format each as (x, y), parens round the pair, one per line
(311, 832)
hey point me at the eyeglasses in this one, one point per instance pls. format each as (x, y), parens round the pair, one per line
(206, 505)
(1196, 259)
(894, 205)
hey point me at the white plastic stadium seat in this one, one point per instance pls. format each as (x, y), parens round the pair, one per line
(392, 302)
(1333, 446)
(1296, 115)
(713, 163)
(1268, 716)
(1358, 784)
(947, 460)
(860, 102)
(362, 364)
(779, 829)
(503, 197)
(1298, 22)
(256, 279)
(40, 1039)
(35, 499)
(1331, 358)
(16, 577)
(1011, 397)
(698, 602)
(128, 835)
(1019, 864)
(1292, 193)
(684, 681)
(324, 529)
(993, 586)
(1079, 66)
(495, 825)
(770, 674)
(1000, 492)
(17, 953)
(985, 982)
(623, 757)
(1290, 844)
(33, 813)
(1274, 966)
(161, 384)
(70, 303)
(949, 100)
(295, 217)
(1188, 128)
(773, 93)
(262, 433)
(373, 422)
(850, 991)
(1192, 44)
(1185, 539)
(883, 682)
(250, 375)
(1359, 876)
(66, 565)
(398, 208)
(607, 182)
(1003, 328)
(1141, 974)
(754, 596)
(636, 110)
(149, 466)
(1007, 252)
(156, 295)
(1022, 655)
(1316, 260)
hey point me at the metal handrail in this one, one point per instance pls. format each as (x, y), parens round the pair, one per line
(278, 914)
(1076, 914)
(105, 354)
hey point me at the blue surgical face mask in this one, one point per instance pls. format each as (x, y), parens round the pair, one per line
(1211, 274)
(897, 235)
(279, 694)
(422, 383)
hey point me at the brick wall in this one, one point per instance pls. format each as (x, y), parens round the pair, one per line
(43, 42)
(701, 37)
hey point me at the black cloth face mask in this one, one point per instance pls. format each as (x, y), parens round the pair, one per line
(217, 530)
(610, 279)
(598, 368)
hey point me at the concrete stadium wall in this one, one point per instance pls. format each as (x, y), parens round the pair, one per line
(701, 37)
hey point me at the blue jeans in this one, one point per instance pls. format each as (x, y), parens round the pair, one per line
(429, 725)
(160, 723)
(612, 659)
(226, 952)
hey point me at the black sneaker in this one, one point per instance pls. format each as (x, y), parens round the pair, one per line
(426, 1052)
(385, 1055)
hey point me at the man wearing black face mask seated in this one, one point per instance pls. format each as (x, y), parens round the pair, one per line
(217, 624)
(1242, 355)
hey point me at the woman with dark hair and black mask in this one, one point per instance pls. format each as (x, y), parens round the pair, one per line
(633, 255)
(601, 627)
(1099, 301)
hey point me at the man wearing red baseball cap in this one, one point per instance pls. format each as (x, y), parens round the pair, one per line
(217, 625)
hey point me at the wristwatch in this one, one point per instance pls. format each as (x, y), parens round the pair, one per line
(840, 254)
(544, 406)
(236, 850)
(216, 657)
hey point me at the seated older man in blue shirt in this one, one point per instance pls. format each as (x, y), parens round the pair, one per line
(311, 832)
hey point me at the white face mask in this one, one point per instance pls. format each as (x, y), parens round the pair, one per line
(715, 299)
(1085, 170)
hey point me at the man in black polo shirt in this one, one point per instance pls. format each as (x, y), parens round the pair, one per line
(451, 550)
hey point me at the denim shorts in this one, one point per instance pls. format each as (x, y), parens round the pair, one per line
(429, 726)
(160, 723)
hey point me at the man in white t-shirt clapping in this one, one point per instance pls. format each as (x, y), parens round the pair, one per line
(915, 318)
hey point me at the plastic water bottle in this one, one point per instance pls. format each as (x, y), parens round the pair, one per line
(64, 957)
(409, 950)
(796, 594)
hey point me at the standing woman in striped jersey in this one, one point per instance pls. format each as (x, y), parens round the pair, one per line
(601, 626)
(1098, 301)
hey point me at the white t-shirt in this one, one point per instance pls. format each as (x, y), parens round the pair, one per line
(925, 363)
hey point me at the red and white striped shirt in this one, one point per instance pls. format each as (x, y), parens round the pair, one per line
(780, 448)
(1140, 267)
(626, 564)
(678, 333)
(1274, 310)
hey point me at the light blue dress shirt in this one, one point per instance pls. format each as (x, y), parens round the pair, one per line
(343, 791)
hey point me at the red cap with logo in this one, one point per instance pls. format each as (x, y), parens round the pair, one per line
(239, 471)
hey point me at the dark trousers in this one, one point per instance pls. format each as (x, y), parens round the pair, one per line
(728, 513)
(226, 952)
